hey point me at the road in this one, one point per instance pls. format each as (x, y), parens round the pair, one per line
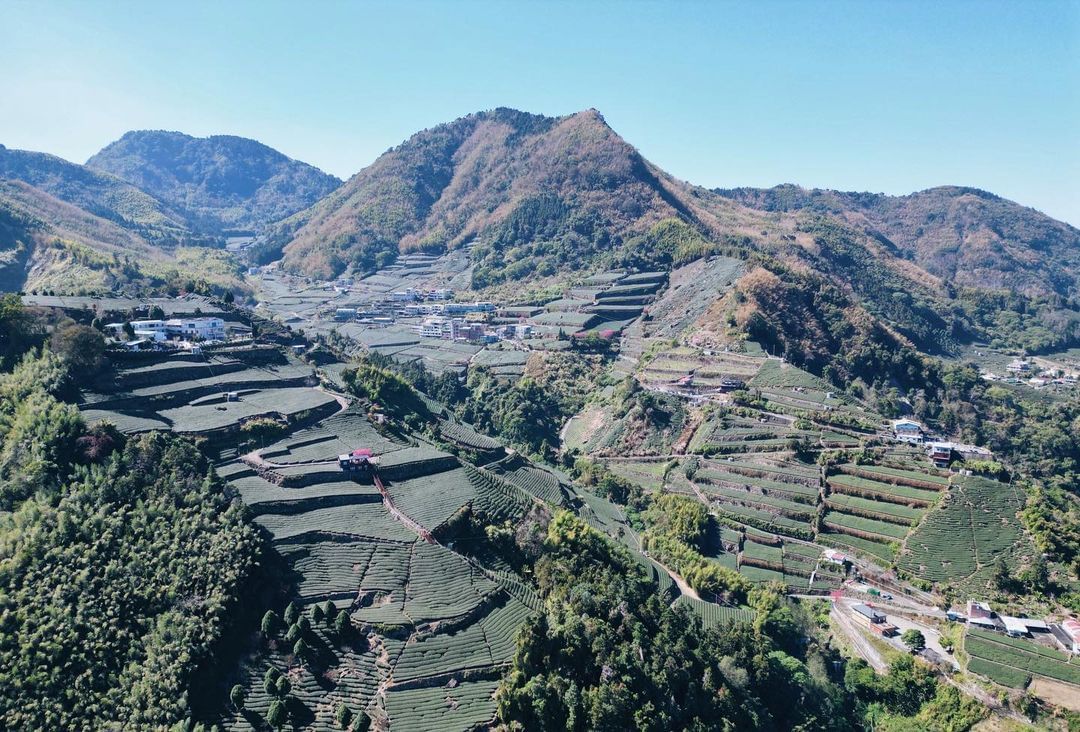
(853, 632)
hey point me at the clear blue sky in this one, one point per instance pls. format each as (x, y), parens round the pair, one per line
(891, 97)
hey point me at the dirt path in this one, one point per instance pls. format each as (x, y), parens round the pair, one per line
(679, 582)
(396, 513)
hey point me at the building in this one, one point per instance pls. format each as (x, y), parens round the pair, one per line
(907, 430)
(197, 329)
(344, 314)
(361, 459)
(1071, 629)
(981, 610)
(868, 614)
(1015, 627)
(940, 454)
(1019, 367)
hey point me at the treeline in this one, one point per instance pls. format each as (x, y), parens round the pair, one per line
(121, 562)
(528, 413)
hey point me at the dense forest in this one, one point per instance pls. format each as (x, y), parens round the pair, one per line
(121, 559)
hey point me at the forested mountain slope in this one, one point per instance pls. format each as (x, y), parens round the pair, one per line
(965, 236)
(220, 182)
(96, 192)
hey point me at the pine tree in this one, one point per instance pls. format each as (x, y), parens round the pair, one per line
(300, 650)
(317, 614)
(277, 715)
(293, 633)
(343, 716)
(342, 625)
(291, 613)
(284, 686)
(270, 623)
(236, 696)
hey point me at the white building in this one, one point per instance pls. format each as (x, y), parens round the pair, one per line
(907, 430)
(200, 329)
(437, 328)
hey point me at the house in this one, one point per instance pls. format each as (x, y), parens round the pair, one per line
(834, 557)
(360, 459)
(940, 453)
(1015, 627)
(907, 430)
(344, 314)
(1071, 629)
(1019, 367)
(868, 614)
(202, 329)
(433, 327)
(980, 610)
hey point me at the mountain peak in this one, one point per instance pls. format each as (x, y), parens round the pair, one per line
(220, 182)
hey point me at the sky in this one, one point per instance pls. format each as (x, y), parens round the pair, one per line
(888, 97)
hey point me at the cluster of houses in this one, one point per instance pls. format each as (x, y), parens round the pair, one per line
(177, 331)
(1023, 371)
(980, 614)
(941, 452)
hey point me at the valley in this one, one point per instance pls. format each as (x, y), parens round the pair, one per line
(503, 435)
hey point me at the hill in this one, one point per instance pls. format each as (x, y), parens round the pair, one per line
(220, 183)
(534, 194)
(49, 244)
(967, 237)
(98, 193)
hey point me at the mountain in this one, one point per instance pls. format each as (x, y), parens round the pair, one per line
(220, 183)
(533, 193)
(98, 193)
(964, 236)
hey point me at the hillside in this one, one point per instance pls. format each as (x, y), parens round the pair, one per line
(534, 193)
(967, 237)
(98, 193)
(220, 182)
(50, 244)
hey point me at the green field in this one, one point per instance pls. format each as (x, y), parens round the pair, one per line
(975, 523)
(1017, 658)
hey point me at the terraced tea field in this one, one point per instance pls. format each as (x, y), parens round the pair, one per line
(1013, 661)
(189, 394)
(961, 540)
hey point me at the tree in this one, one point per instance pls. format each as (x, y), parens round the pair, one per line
(293, 634)
(1036, 575)
(270, 623)
(304, 625)
(330, 611)
(236, 696)
(1001, 578)
(270, 679)
(278, 714)
(301, 649)
(342, 625)
(291, 613)
(229, 297)
(913, 639)
(343, 716)
(156, 313)
(317, 614)
(283, 686)
(82, 347)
